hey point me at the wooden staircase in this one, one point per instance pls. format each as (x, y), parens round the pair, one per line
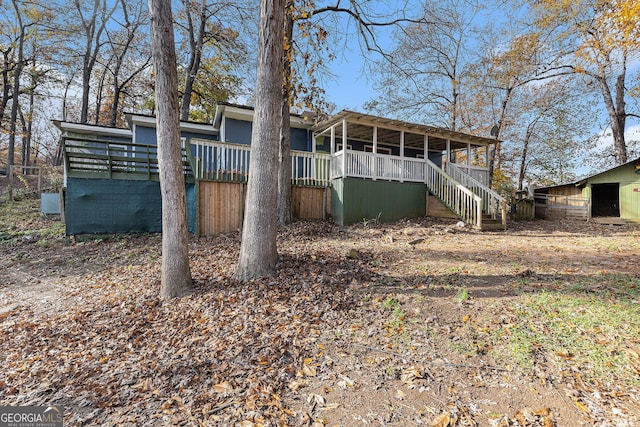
(469, 199)
(489, 223)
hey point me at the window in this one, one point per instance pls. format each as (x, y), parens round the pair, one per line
(339, 146)
(381, 150)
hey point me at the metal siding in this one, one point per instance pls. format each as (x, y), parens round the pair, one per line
(630, 201)
(628, 180)
(355, 200)
(624, 173)
(337, 196)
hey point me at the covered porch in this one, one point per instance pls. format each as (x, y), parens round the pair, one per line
(387, 149)
(367, 151)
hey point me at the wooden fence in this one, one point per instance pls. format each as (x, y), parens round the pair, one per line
(554, 207)
(221, 205)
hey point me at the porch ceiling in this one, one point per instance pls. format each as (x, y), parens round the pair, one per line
(360, 127)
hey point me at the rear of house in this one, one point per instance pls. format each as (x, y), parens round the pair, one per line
(352, 166)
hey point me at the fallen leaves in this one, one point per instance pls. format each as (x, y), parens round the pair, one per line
(277, 350)
(442, 420)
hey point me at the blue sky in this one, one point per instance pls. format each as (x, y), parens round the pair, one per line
(352, 89)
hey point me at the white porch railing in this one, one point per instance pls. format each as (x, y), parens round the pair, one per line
(360, 164)
(492, 203)
(221, 161)
(478, 173)
(310, 168)
(458, 198)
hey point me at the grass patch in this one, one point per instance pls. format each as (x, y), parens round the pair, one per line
(462, 295)
(592, 327)
(22, 220)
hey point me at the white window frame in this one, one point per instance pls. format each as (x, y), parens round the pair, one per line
(381, 150)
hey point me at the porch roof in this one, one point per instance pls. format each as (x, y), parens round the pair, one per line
(360, 127)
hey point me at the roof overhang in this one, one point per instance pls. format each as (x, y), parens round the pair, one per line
(584, 180)
(360, 127)
(150, 121)
(245, 113)
(80, 128)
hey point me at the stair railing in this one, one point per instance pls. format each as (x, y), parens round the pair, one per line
(462, 201)
(493, 204)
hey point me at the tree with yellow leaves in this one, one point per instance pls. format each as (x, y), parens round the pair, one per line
(597, 39)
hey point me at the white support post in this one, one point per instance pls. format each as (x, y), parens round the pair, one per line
(375, 153)
(344, 148)
(402, 168)
(469, 158)
(486, 157)
(333, 140)
(448, 151)
(426, 156)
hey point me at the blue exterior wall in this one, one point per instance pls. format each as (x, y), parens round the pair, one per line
(237, 131)
(323, 144)
(147, 135)
(300, 139)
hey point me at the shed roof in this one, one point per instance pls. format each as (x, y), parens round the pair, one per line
(585, 179)
(582, 181)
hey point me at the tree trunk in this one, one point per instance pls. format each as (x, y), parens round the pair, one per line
(284, 170)
(621, 118)
(93, 29)
(523, 158)
(86, 76)
(27, 126)
(176, 273)
(189, 79)
(616, 112)
(15, 100)
(494, 150)
(99, 92)
(6, 85)
(196, 40)
(258, 252)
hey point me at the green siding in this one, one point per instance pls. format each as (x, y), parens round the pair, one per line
(630, 201)
(104, 206)
(629, 180)
(624, 173)
(353, 200)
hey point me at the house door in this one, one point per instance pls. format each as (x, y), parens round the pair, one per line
(605, 200)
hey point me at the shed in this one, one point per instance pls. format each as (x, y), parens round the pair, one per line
(611, 196)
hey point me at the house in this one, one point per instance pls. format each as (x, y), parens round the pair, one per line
(352, 166)
(612, 196)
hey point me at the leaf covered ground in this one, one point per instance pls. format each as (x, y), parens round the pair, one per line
(412, 323)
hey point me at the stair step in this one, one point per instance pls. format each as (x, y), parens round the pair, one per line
(492, 224)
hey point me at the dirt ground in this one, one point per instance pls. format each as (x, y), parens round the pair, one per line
(403, 324)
